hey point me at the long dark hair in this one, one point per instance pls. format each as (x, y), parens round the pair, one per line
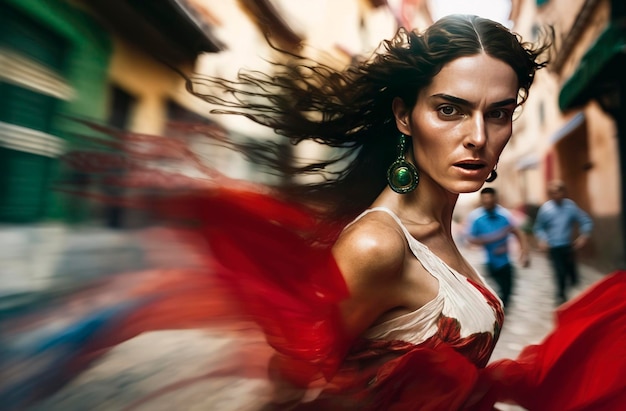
(350, 109)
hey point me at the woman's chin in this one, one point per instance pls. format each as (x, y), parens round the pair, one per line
(468, 187)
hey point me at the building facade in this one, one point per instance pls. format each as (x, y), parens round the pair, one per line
(104, 61)
(112, 62)
(594, 86)
(570, 127)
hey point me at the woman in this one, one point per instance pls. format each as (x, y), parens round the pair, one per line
(387, 315)
(422, 121)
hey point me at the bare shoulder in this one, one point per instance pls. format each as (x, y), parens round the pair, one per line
(371, 255)
(374, 248)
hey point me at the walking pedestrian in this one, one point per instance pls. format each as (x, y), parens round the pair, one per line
(491, 226)
(554, 228)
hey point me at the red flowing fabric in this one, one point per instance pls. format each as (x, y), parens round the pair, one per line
(262, 271)
(264, 253)
(581, 365)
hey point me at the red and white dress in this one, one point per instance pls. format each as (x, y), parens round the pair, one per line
(434, 351)
(261, 266)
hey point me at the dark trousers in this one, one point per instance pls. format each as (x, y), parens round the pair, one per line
(564, 264)
(503, 276)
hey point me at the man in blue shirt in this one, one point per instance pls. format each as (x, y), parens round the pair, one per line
(553, 229)
(491, 226)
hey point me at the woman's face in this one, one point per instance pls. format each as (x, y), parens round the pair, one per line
(461, 121)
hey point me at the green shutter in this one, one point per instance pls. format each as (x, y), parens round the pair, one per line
(21, 33)
(26, 108)
(601, 62)
(23, 181)
(25, 176)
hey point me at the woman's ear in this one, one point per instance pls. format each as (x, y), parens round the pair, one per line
(402, 114)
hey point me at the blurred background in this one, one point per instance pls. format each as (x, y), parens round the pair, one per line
(110, 61)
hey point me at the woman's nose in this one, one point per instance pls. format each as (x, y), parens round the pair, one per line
(476, 136)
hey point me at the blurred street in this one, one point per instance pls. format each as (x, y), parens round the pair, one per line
(138, 67)
(49, 257)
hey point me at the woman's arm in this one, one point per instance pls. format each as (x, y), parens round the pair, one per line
(524, 257)
(371, 258)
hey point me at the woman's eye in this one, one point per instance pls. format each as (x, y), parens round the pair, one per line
(448, 111)
(498, 114)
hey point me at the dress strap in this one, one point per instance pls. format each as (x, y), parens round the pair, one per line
(432, 262)
(369, 210)
(415, 245)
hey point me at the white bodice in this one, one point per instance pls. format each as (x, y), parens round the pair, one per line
(458, 298)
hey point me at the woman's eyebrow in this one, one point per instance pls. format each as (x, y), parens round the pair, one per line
(463, 102)
(503, 103)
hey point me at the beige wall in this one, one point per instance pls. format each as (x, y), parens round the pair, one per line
(151, 83)
(541, 117)
(602, 189)
(596, 24)
(331, 31)
(604, 182)
(587, 159)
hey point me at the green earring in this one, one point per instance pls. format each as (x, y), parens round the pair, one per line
(402, 176)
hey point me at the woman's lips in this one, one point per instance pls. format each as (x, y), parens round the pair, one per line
(470, 168)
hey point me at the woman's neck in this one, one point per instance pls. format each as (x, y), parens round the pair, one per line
(426, 206)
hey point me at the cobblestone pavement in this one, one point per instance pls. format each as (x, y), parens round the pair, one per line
(143, 365)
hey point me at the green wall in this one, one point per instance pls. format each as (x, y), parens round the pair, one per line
(85, 67)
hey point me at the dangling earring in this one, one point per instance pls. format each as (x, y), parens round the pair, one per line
(493, 175)
(402, 176)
